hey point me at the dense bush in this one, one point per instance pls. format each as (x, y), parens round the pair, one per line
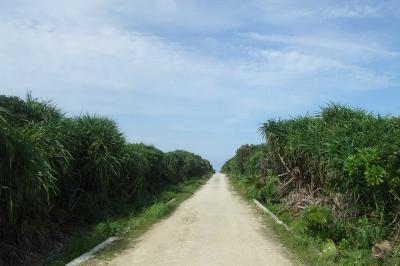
(57, 171)
(343, 150)
(344, 159)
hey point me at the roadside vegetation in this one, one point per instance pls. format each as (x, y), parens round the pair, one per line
(334, 178)
(127, 227)
(61, 174)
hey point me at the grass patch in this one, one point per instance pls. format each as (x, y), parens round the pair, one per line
(60, 175)
(334, 176)
(309, 249)
(128, 227)
(303, 249)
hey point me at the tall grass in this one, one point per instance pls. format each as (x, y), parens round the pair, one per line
(59, 172)
(345, 159)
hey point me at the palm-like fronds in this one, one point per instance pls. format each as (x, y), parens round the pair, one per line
(54, 168)
(341, 150)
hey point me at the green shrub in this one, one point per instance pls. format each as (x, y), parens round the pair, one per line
(267, 191)
(318, 220)
(110, 228)
(31, 161)
(341, 150)
(328, 249)
(58, 172)
(366, 233)
(365, 163)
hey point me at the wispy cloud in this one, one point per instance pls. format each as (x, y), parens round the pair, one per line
(353, 11)
(337, 45)
(299, 62)
(199, 75)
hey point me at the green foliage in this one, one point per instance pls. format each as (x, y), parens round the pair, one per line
(183, 164)
(58, 172)
(98, 147)
(109, 228)
(328, 249)
(317, 218)
(343, 150)
(268, 188)
(365, 233)
(130, 225)
(356, 257)
(249, 159)
(21, 112)
(364, 163)
(349, 159)
(299, 227)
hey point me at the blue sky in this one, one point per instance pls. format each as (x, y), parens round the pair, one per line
(201, 75)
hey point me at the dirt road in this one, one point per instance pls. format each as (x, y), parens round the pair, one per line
(214, 227)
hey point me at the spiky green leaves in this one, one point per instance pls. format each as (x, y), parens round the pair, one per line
(55, 169)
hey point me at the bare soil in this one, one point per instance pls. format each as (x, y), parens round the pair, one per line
(214, 227)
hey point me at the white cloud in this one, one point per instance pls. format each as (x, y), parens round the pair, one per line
(150, 75)
(331, 44)
(148, 59)
(353, 11)
(290, 10)
(299, 62)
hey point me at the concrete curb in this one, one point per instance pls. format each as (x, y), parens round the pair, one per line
(171, 201)
(276, 219)
(90, 254)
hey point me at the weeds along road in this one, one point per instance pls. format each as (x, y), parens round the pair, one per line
(214, 227)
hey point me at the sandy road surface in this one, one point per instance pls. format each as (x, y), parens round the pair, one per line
(214, 227)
